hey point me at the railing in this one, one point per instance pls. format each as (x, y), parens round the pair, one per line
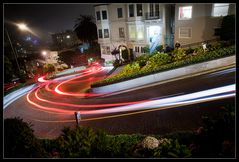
(152, 15)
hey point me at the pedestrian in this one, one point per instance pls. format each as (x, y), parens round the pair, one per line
(177, 45)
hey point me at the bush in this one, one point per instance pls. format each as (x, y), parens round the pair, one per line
(76, 142)
(125, 55)
(178, 54)
(211, 139)
(19, 140)
(153, 68)
(169, 148)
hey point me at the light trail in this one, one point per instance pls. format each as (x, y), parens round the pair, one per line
(89, 72)
(202, 96)
(88, 105)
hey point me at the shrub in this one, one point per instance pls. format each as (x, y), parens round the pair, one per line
(169, 148)
(159, 66)
(125, 55)
(178, 54)
(76, 142)
(19, 140)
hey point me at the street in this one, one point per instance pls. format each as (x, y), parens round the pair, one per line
(51, 106)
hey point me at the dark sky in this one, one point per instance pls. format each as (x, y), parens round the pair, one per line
(47, 18)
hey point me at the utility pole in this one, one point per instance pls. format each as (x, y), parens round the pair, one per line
(14, 52)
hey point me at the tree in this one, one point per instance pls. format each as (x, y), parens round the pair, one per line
(49, 68)
(67, 57)
(86, 29)
(19, 140)
(227, 31)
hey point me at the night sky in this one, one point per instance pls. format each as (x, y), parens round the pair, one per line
(47, 18)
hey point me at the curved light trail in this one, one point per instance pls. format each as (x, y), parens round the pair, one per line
(107, 110)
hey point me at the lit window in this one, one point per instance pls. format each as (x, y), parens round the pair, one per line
(121, 32)
(140, 32)
(132, 32)
(131, 10)
(98, 15)
(106, 33)
(220, 9)
(185, 12)
(120, 12)
(100, 33)
(104, 15)
(139, 10)
(185, 32)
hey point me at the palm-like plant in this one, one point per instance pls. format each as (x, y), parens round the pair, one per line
(86, 29)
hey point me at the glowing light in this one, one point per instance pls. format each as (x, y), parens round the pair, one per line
(23, 27)
(44, 53)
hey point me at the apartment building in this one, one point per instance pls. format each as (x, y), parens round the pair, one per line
(137, 25)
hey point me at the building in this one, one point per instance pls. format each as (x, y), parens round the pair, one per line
(138, 25)
(64, 40)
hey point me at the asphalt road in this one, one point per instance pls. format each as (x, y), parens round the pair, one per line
(49, 115)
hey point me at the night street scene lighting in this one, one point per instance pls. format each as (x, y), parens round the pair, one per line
(119, 80)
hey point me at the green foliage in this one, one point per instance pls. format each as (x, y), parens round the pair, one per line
(122, 145)
(146, 49)
(19, 140)
(157, 60)
(189, 51)
(160, 59)
(125, 55)
(67, 57)
(178, 54)
(48, 68)
(8, 69)
(159, 48)
(142, 60)
(169, 148)
(216, 131)
(76, 142)
(86, 29)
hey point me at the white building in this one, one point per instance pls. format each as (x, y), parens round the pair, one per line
(137, 25)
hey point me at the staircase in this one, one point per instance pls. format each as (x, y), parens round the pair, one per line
(154, 43)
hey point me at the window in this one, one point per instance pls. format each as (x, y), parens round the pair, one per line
(140, 32)
(131, 10)
(139, 10)
(136, 49)
(100, 33)
(120, 12)
(185, 32)
(142, 49)
(106, 33)
(104, 15)
(132, 32)
(105, 50)
(220, 9)
(151, 9)
(121, 32)
(156, 9)
(185, 12)
(98, 15)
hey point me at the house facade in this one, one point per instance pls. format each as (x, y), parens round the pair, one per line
(139, 25)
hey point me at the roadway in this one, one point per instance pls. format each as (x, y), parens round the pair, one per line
(149, 110)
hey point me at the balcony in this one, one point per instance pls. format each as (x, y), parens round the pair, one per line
(152, 15)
